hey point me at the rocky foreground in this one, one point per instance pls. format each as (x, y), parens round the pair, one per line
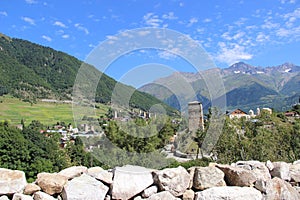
(239, 181)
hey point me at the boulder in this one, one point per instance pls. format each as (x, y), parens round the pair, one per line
(261, 185)
(84, 187)
(191, 171)
(257, 168)
(11, 181)
(51, 183)
(296, 162)
(129, 181)
(42, 196)
(277, 188)
(281, 170)
(101, 174)
(207, 177)
(18, 196)
(269, 165)
(188, 195)
(149, 191)
(229, 193)
(174, 180)
(31, 188)
(163, 195)
(73, 172)
(236, 176)
(295, 172)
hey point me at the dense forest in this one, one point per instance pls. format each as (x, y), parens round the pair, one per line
(31, 72)
(33, 152)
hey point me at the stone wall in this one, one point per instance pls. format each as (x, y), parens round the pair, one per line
(239, 181)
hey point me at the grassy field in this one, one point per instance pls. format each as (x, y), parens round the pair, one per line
(14, 110)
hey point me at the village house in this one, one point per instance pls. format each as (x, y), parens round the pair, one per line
(238, 113)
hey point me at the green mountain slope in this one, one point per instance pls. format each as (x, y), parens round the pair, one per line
(30, 71)
(246, 86)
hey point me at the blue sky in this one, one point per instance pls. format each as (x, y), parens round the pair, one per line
(258, 32)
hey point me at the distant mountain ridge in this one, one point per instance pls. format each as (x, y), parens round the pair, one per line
(246, 86)
(30, 71)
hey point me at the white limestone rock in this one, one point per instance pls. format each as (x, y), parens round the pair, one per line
(281, 170)
(295, 172)
(31, 188)
(207, 177)
(149, 191)
(188, 195)
(269, 165)
(165, 195)
(51, 183)
(73, 171)
(11, 181)
(84, 187)
(277, 188)
(174, 180)
(101, 174)
(229, 193)
(42, 196)
(18, 196)
(258, 168)
(130, 180)
(236, 176)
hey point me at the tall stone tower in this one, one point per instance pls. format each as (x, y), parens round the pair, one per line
(195, 116)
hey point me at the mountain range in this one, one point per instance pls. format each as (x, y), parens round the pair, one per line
(246, 86)
(31, 72)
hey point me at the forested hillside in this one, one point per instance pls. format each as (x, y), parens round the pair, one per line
(30, 72)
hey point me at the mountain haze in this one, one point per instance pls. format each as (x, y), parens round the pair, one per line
(246, 86)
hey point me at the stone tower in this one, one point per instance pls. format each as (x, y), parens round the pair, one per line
(195, 116)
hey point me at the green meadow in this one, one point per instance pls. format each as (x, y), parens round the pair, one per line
(14, 110)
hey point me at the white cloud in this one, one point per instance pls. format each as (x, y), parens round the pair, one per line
(49, 39)
(28, 20)
(30, 1)
(241, 21)
(261, 37)
(269, 25)
(171, 54)
(169, 16)
(251, 27)
(292, 32)
(232, 54)
(112, 37)
(92, 46)
(226, 36)
(192, 21)
(143, 33)
(207, 20)
(287, 1)
(3, 13)
(238, 35)
(82, 28)
(60, 24)
(152, 20)
(65, 36)
(292, 17)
